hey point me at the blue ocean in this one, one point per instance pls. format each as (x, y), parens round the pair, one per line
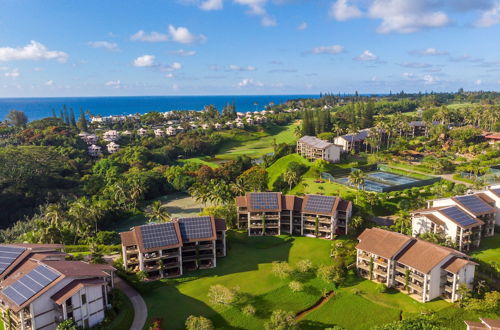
(37, 108)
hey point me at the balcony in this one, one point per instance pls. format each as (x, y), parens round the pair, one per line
(448, 288)
(415, 287)
(380, 261)
(417, 277)
(401, 270)
(132, 261)
(364, 266)
(207, 246)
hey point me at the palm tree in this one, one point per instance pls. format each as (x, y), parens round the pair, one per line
(136, 193)
(54, 214)
(291, 178)
(238, 187)
(157, 212)
(402, 222)
(357, 178)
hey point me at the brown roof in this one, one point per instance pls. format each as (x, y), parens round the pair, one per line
(292, 202)
(220, 224)
(36, 247)
(250, 196)
(343, 205)
(455, 264)
(492, 323)
(382, 242)
(241, 201)
(435, 208)
(128, 238)
(332, 211)
(475, 325)
(54, 255)
(73, 287)
(424, 256)
(486, 198)
(434, 219)
(79, 268)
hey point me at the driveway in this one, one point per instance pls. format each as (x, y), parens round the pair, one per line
(140, 310)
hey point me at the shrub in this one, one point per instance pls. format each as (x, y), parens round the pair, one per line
(281, 320)
(199, 323)
(356, 291)
(281, 269)
(304, 265)
(68, 324)
(219, 294)
(249, 310)
(331, 273)
(380, 288)
(142, 275)
(296, 286)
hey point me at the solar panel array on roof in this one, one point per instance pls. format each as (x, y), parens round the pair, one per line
(30, 284)
(264, 201)
(158, 235)
(8, 254)
(496, 191)
(196, 228)
(319, 204)
(475, 204)
(459, 216)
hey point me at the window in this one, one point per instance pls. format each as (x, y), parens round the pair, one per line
(84, 299)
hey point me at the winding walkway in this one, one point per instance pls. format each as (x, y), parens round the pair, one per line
(140, 310)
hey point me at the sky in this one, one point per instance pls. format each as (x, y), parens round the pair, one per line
(241, 47)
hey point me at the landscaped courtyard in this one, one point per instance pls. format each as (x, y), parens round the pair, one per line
(358, 304)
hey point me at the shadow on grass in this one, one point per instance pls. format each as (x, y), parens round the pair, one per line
(308, 324)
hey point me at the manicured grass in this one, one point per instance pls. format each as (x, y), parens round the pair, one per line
(178, 205)
(248, 267)
(405, 173)
(125, 316)
(199, 160)
(489, 250)
(280, 166)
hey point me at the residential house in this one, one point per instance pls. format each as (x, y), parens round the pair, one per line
(159, 132)
(91, 139)
(111, 136)
(171, 131)
(492, 196)
(239, 124)
(94, 150)
(463, 219)
(485, 324)
(40, 288)
(170, 249)
(217, 126)
(230, 124)
(142, 132)
(352, 141)
(312, 148)
(419, 268)
(492, 138)
(113, 147)
(271, 213)
(250, 121)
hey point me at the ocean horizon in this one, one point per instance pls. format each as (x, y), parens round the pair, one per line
(41, 107)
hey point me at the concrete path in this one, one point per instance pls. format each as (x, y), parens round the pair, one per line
(140, 310)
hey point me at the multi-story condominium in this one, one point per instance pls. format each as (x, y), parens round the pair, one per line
(159, 132)
(170, 249)
(111, 136)
(485, 324)
(142, 132)
(113, 147)
(492, 197)
(464, 219)
(312, 148)
(90, 138)
(422, 269)
(39, 288)
(94, 151)
(271, 213)
(352, 141)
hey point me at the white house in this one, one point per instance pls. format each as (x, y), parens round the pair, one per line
(351, 141)
(110, 136)
(91, 139)
(40, 289)
(217, 126)
(159, 132)
(313, 148)
(239, 124)
(94, 150)
(419, 268)
(113, 147)
(142, 132)
(492, 195)
(230, 124)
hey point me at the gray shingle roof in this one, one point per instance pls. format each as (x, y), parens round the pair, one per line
(315, 142)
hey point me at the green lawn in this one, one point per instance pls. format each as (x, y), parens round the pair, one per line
(489, 250)
(177, 204)
(280, 166)
(248, 266)
(125, 317)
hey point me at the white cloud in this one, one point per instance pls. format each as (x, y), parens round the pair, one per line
(405, 16)
(172, 67)
(478, 82)
(175, 87)
(32, 51)
(302, 26)
(37, 69)
(145, 61)
(429, 52)
(341, 10)
(233, 67)
(149, 37)
(429, 79)
(268, 21)
(211, 5)
(14, 73)
(169, 75)
(489, 17)
(49, 83)
(250, 83)
(111, 46)
(257, 8)
(184, 36)
(114, 83)
(366, 56)
(335, 49)
(184, 53)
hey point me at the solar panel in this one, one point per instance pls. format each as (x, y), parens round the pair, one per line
(319, 204)
(459, 216)
(30, 284)
(159, 235)
(264, 201)
(8, 254)
(196, 228)
(475, 204)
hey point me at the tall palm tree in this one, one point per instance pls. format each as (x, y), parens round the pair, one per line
(357, 178)
(136, 193)
(54, 214)
(158, 212)
(402, 222)
(238, 187)
(291, 178)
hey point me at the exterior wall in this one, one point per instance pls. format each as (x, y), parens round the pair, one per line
(332, 154)
(497, 204)
(44, 310)
(420, 225)
(341, 142)
(92, 310)
(435, 285)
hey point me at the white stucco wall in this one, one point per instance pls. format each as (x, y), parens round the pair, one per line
(43, 304)
(332, 153)
(497, 204)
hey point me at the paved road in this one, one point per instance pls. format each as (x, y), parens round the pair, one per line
(140, 310)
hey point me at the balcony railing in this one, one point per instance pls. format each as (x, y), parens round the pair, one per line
(416, 287)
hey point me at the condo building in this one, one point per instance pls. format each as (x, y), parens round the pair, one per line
(173, 248)
(421, 269)
(463, 219)
(39, 288)
(312, 148)
(272, 213)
